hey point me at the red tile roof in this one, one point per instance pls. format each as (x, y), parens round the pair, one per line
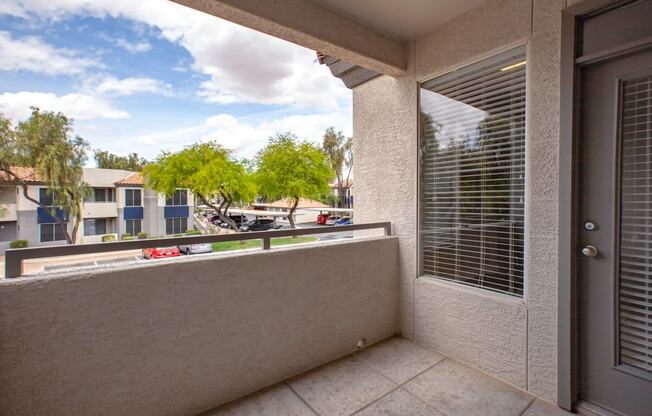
(135, 179)
(26, 174)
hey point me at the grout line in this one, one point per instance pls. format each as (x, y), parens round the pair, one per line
(301, 398)
(376, 400)
(527, 407)
(421, 372)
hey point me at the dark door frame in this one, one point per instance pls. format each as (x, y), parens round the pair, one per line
(567, 369)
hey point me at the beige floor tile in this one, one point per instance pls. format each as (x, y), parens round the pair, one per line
(341, 388)
(457, 390)
(399, 359)
(541, 408)
(399, 403)
(275, 401)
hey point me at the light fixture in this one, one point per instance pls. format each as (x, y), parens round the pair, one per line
(516, 65)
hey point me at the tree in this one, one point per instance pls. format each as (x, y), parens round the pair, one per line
(209, 171)
(339, 150)
(107, 160)
(44, 142)
(292, 169)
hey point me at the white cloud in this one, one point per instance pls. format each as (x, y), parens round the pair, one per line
(16, 106)
(130, 86)
(238, 134)
(32, 54)
(243, 65)
(133, 47)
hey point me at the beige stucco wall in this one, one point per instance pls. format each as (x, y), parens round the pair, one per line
(513, 339)
(177, 338)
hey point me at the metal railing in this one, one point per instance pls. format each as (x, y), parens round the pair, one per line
(14, 257)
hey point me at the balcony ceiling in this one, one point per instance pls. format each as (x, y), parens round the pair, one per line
(399, 18)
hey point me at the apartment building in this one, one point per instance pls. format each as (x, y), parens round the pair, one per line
(117, 204)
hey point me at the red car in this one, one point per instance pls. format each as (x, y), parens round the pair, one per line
(321, 218)
(160, 252)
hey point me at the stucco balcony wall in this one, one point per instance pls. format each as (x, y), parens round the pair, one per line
(100, 209)
(8, 212)
(177, 337)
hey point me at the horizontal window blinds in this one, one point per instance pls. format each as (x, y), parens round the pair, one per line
(473, 174)
(635, 286)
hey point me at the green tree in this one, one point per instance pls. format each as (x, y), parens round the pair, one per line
(44, 142)
(107, 160)
(292, 169)
(339, 150)
(209, 171)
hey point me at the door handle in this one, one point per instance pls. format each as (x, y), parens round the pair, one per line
(590, 251)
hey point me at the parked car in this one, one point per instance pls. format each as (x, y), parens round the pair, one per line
(261, 224)
(238, 219)
(344, 221)
(196, 248)
(333, 219)
(160, 252)
(286, 227)
(322, 218)
(215, 219)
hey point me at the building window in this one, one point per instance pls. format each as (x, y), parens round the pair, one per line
(472, 203)
(101, 195)
(98, 226)
(180, 197)
(133, 227)
(52, 232)
(133, 198)
(176, 225)
(47, 196)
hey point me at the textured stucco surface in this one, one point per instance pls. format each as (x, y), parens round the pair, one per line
(479, 328)
(515, 342)
(182, 337)
(385, 129)
(542, 184)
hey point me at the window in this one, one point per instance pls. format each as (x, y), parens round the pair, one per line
(473, 174)
(176, 225)
(133, 227)
(52, 232)
(133, 197)
(47, 197)
(180, 197)
(98, 226)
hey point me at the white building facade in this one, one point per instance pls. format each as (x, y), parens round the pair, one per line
(118, 206)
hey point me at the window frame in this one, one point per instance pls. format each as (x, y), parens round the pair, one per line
(133, 222)
(132, 191)
(56, 230)
(174, 224)
(420, 273)
(179, 198)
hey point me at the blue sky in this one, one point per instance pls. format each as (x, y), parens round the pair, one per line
(151, 75)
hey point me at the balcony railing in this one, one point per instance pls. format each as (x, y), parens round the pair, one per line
(14, 257)
(8, 212)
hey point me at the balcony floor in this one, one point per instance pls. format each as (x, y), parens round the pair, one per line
(393, 378)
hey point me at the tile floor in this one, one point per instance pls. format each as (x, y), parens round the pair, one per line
(393, 378)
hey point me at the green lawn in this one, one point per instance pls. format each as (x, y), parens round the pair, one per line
(279, 241)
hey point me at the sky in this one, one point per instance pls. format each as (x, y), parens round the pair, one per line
(150, 75)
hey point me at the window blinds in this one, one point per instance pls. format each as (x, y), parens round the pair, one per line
(635, 286)
(473, 174)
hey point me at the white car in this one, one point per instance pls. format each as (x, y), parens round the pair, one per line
(196, 248)
(333, 219)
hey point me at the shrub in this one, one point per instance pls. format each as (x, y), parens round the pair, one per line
(126, 236)
(193, 232)
(18, 244)
(178, 235)
(142, 236)
(108, 237)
